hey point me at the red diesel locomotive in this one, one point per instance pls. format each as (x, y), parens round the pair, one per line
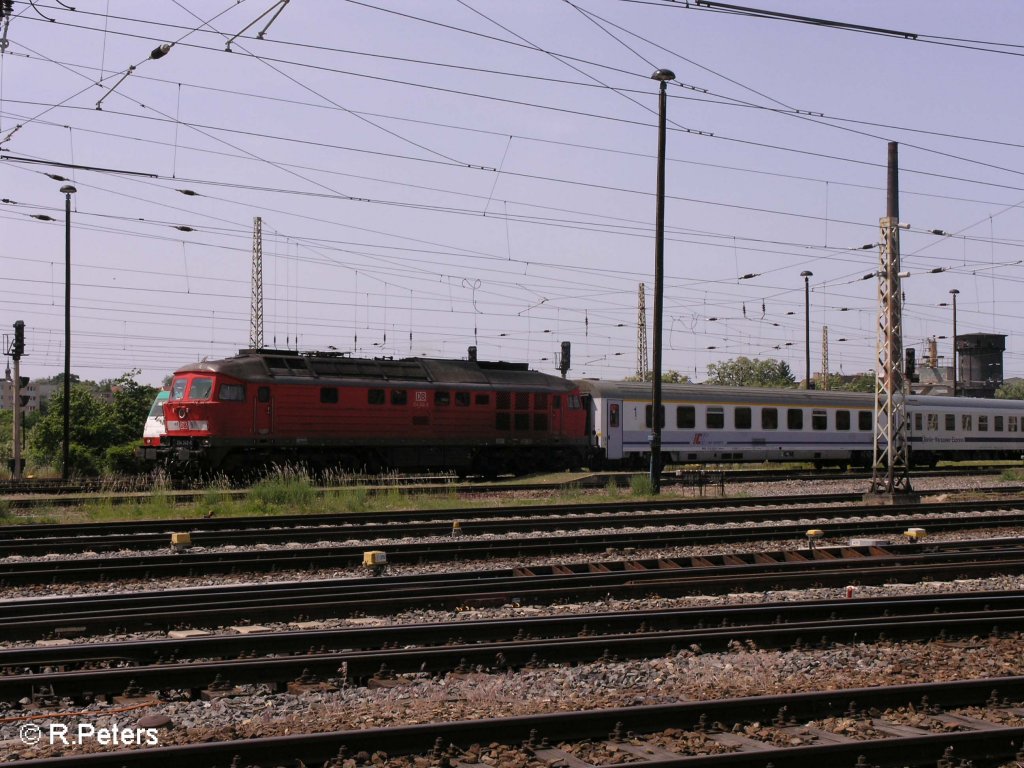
(322, 410)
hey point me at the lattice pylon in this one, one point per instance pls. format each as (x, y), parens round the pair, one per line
(256, 306)
(890, 455)
(824, 358)
(642, 371)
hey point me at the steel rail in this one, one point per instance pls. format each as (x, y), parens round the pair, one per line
(57, 539)
(539, 735)
(538, 585)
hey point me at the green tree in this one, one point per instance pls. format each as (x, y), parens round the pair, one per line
(744, 372)
(1011, 390)
(667, 377)
(101, 431)
(861, 382)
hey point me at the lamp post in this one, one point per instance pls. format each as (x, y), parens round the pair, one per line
(954, 292)
(806, 274)
(662, 76)
(68, 190)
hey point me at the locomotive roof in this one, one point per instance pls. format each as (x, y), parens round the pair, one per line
(293, 367)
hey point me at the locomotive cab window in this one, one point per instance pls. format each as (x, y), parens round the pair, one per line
(375, 397)
(742, 418)
(178, 389)
(483, 400)
(819, 420)
(463, 398)
(328, 395)
(715, 417)
(556, 402)
(399, 396)
(231, 392)
(263, 394)
(442, 398)
(843, 421)
(575, 403)
(794, 418)
(686, 417)
(201, 389)
(769, 418)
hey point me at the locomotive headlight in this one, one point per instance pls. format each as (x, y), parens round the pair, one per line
(199, 426)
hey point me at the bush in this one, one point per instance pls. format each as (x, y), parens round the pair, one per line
(641, 485)
(120, 459)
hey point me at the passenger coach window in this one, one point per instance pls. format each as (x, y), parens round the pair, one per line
(918, 422)
(843, 420)
(819, 420)
(865, 421)
(950, 422)
(613, 415)
(715, 417)
(231, 392)
(997, 423)
(933, 422)
(647, 415)
(442, 398)
(769, 418)
(328, 394)
(795, 418)
(1011, 423)
(399, 397)
(200, 389)
(686, 417)
(965, 422)
(983, 423)
(462, 398)
(742, 416)
(375, 396)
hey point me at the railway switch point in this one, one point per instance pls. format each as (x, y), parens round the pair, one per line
(456, 528)
(181, 541)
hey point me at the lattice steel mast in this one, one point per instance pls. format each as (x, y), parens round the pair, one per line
(256, 307)
(642, 371)
(891, 464)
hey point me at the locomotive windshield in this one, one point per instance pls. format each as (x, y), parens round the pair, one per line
(178, 389)
(200, 389)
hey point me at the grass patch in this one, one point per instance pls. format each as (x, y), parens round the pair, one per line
(640, 485)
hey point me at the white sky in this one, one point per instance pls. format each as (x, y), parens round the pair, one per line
(440, 173)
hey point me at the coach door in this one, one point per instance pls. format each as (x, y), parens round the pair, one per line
(263, 417)
(613, 429)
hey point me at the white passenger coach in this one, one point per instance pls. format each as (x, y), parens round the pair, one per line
(744, 424)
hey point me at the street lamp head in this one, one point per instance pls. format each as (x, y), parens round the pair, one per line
(68, 189)
(663, 75)
(806, 273)
(954, 291)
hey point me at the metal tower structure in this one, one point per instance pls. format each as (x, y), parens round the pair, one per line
(890, 472)
(256, 307)
(824, 358)
(642, 371)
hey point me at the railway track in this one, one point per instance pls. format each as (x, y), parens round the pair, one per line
(723, 526)
(785, 730)
(539, 585)
(358, 655)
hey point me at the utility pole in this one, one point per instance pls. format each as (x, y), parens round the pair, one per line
(890, 453)
(642, 371)
(256, 306)
(824, 358)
